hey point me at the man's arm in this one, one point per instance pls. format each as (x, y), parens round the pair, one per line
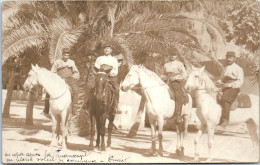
(114, 71)
(240, 79)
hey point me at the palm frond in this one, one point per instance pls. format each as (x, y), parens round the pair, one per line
(22, 38)
(64, 34)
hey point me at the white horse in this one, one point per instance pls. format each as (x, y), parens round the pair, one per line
(159, 106)
(209, 111)
(60, 100)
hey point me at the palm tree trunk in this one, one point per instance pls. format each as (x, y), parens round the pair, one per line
(134, 128)
(29, 109)
(9, 95)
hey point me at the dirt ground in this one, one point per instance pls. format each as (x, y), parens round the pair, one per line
(29, 144)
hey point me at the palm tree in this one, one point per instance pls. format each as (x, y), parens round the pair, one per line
(130, 27)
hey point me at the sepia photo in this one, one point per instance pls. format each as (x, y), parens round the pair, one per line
(172, 81)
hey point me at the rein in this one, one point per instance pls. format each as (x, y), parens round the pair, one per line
(148, 87)
(49, 98)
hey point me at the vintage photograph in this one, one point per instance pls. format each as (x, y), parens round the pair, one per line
(172, 81)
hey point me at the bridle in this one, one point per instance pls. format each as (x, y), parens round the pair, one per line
(144, 88)
(32, 91)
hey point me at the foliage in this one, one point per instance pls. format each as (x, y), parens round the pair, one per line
(241, 24)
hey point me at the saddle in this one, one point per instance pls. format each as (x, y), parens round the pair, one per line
(242, 101)
(185, 96)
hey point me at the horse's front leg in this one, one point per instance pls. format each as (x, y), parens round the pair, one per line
(211, 130)
(184, 132)
(153, 148)
(160, 137)
(201, 131)
(110, 128)
(54, 141)
(98, 129)
(92, 131)
(103, 130)
(63, 129)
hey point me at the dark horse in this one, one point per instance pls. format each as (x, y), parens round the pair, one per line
(102, 106)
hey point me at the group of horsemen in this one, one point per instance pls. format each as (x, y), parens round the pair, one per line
(231, 80)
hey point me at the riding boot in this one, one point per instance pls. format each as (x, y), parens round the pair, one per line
(225, 114)
(177, 112)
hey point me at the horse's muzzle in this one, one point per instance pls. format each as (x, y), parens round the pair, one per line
(123, 88)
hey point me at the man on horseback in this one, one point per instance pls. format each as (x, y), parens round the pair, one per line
(110, 61)
(67, 70)
(176, 73)
(231, 80)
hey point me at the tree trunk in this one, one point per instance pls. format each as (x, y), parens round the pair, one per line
(9, 95)
(134, 128)
(29, 109)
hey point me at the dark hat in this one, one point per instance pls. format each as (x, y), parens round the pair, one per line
(231, 53)
(106, 45)
(65, 50)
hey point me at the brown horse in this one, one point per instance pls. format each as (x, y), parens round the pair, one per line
(102, 106)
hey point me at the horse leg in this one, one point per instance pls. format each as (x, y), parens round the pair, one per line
(54, 127)
(92, 131)
(252, 131)
(110, 128)
(184, 132)
(98, 130)
(196, 141)
(153, 148)
(211, 130)
(178, 147)
(63, 129)
(160, 137)
(103, 131)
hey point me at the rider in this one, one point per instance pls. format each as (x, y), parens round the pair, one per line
(176, 73)
(67, 70)
(109, 60)
(231, 79)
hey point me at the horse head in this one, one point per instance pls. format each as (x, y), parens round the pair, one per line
(131, 79)
(100, 86)
(199, 79)
(32, 79)
(195, 80)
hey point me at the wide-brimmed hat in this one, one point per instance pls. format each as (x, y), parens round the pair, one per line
(230, 54)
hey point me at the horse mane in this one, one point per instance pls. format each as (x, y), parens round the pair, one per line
(209, 84)
(53, 76)
(153, 76)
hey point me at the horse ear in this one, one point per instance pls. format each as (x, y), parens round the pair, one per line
(202, 69)
(193, 68)
(33, 67)
(37, 66)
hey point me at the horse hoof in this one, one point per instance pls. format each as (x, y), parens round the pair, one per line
(103, 148)
(177, 152)
(160, 152)
(182, 151)
(196, 160)
(91, 147)
(209, 160)
(151, 152)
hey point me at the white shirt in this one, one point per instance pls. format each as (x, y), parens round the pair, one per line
(175, 69)
(235, 72)
(108, 60)
(69, 63)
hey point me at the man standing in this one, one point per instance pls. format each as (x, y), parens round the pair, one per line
(67, 70)
(176, 73)
(231, 80)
